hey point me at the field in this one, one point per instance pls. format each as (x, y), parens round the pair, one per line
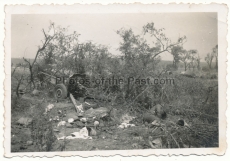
(190, 104)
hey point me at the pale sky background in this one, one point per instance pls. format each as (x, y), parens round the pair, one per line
(199, 28)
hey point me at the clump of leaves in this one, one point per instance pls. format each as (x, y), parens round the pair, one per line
(42, 130)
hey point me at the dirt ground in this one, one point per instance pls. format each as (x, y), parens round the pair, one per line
(42, 133)
(108, 135)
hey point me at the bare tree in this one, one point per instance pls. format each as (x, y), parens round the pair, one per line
(176, 57)
(198, 61)
(209, 59)
(185, 58)
(193, 58)
(165, 43)
(215, 53)
(45, 43)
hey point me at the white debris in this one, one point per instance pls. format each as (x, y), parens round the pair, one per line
(87, 103)
(35, 92)
(155, 123)
(157, 143)
(62, 123)
(83, 119)
(132, 125)
(80, 107)
(70, 120)
(96, 123)
(121, 127)
(125, 125)
(183, 72)
(61, 138)
(83, 134)
(126, 118)
(24, 121)
(49, 107)
(56, 118)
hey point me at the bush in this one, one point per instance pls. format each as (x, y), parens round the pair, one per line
(213, 76)
(171, 67)
(205, 69)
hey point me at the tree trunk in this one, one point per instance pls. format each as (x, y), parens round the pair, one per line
(18, 86)
(210, 65)
(198, 65)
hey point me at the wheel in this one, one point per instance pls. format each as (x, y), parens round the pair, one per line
(60, 91)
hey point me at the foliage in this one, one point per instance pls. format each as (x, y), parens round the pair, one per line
(209, 59)
(176, 57)
(42, 130)
(62, 54)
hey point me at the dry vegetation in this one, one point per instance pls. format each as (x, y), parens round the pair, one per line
(187, 116)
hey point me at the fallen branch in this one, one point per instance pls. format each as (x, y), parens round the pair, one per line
(75, 103)
(175, 141)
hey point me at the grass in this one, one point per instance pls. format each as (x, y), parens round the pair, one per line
(196, 103)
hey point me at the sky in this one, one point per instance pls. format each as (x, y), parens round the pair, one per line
(199, 28)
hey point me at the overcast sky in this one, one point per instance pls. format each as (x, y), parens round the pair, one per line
(199, 28)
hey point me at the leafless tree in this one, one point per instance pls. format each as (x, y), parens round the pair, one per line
(45, 43)
(209, 59)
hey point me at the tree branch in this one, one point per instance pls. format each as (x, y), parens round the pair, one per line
(44, 33)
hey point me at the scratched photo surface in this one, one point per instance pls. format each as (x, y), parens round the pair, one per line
(114, 81)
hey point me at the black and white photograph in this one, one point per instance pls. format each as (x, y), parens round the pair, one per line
(115, 81)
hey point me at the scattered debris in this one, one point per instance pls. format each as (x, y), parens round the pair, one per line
(177, 112)
(156, 143)
(35, 92)
(99, 112)
(125, 125)
(83, 134)
(138, 138)
(72, 115)
(96, 123)
(70, 120)
(55, 130)
(29, 142)
(24, 121)
(62, 123)
(87, 103)
(135, 145)
(155, 123)
(84, 120)
(126, 118)
(48, 108)
(80, 115)
(79, 109)
(56, 118)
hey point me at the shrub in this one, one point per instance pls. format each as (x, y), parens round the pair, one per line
(171, 67)
(205, 69)
(213, 76)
